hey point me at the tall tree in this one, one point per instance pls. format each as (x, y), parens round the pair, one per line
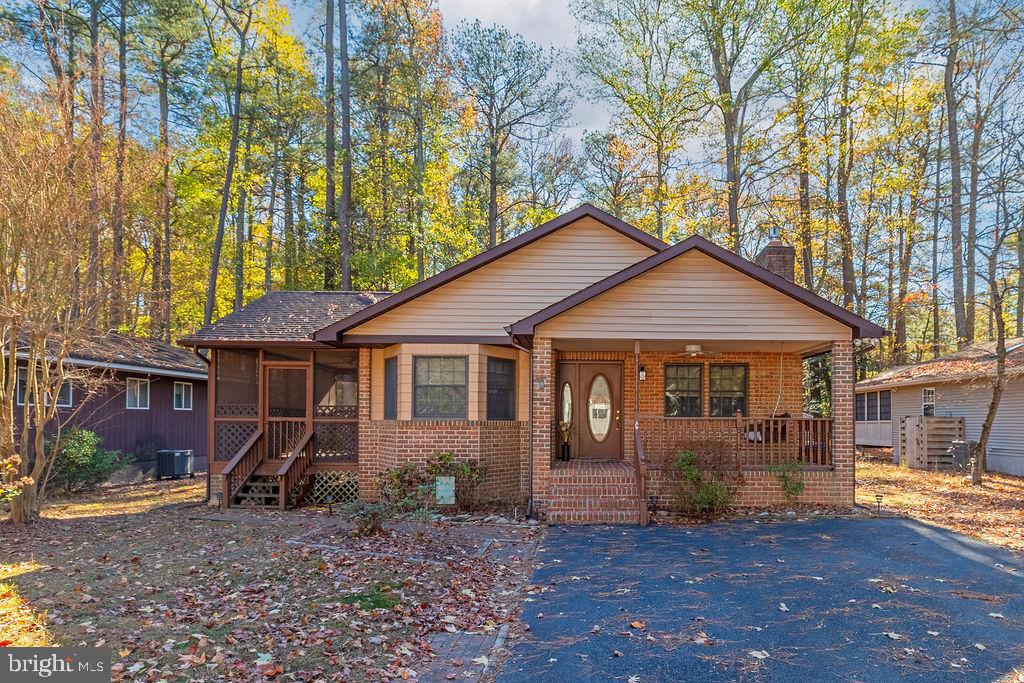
(514, 92)
(345, 212)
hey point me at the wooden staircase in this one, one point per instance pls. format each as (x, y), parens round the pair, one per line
(594, 492)
(250, 479)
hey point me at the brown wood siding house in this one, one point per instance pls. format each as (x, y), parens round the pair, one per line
(583, 338)
(167, 408)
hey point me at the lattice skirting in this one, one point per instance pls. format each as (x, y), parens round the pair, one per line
(333, 487)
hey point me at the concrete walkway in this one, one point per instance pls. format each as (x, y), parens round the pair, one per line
(869, 600)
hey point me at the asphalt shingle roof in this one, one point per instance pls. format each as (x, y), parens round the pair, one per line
(127, 350)
(285, 316)
(972, 362)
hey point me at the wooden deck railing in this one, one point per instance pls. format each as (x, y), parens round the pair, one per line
(753, 441)
(640, 462)
(294, 468)
(239, 468)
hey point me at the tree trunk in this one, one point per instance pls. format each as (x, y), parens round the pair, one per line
(972, 227)
(804, 182)
(492, 193)
(419, 151)
(345, 212)
(732, 173)
(842, 186)
(240, 222)
(163, 301)
(955, 183)
(225, 192)
(289, 230)
(1020, 280)
(268, 264)
(117, 219)
(95, 147)
(330, 204)
(936, 335)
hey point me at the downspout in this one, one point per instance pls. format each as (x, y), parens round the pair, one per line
(529, 429)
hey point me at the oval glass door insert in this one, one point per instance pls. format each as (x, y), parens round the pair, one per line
(599, 408)
(567, 403)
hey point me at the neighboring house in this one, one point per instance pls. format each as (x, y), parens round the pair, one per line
(582, 337)
(152, 396)
(957, 385)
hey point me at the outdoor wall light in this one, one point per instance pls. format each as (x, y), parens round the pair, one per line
(643, 373)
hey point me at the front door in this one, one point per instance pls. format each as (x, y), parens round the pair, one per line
(286, 404)
(590, 410)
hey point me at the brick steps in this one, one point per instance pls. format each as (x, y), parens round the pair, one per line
(593, 493)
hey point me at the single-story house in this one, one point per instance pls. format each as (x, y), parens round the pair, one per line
(955, 385)
(149, 396)
(584, 338)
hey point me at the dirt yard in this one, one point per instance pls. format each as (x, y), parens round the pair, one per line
(183, 594)
(993, 512)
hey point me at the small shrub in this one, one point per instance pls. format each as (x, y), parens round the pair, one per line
(81, 463)
(467, 473)
(702, 481)
(791, 477)
(404, 486)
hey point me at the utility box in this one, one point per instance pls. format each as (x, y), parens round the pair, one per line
(175, 463)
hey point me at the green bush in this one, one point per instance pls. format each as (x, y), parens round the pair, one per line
(81, 463)
(467, 476)
(408, 487)
(405, 486)
(791, 478)
(700, 486)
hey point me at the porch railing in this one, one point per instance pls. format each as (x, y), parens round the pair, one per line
(294, 468)
(752, 441)
(240, 467)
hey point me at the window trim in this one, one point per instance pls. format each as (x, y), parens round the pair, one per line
(127, 394)
(746, 386)
(931, 403)
(393, 402)
(21, 401)
(511, 389)
(174, 396)
(465, 409)
(700, 391)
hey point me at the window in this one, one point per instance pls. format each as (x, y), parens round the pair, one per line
(928, 401)
(872, 411)
(183, 395)
(335, 384)
(858, 411)
(137, 394)
(63, 394)
(884, 405)
(439, 386)
(501, 389)
(391, 388)
(728, 390)
(684, 387)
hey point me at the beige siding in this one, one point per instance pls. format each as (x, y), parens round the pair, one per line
(693, 296)
(483, 302)
(970, 400)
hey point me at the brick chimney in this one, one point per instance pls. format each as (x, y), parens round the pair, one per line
(777, 256)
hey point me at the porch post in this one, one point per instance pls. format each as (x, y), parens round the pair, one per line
(842, 419)
(542, 392)
(365, 436)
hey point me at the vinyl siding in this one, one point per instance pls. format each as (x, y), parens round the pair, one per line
(693, 296)
(483, 302)
(970, 400)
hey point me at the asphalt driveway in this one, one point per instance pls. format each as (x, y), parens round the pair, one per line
(869, 600)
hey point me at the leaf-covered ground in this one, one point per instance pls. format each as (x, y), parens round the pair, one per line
(993, 512)
(254, 595)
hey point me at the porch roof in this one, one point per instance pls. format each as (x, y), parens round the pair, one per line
(860, 327)
(282, 318)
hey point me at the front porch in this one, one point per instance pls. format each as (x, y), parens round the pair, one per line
(610, 415)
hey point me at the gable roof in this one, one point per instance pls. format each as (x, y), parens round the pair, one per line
(973, 362)
(331, 331)
(282, 317)
(861, 327)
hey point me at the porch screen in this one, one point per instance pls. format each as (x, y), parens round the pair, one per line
(237, 385)
(439, 386)
(335, 384)
(683, 389)
(728, 390)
